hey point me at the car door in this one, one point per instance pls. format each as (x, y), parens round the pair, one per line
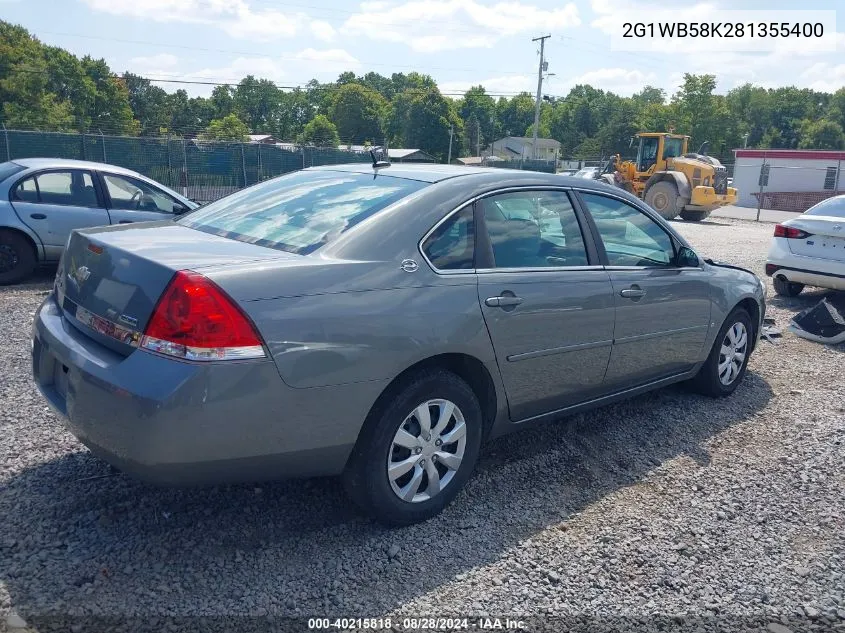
(662, 309)
(132, 200)
(55, 202)
(546, 300)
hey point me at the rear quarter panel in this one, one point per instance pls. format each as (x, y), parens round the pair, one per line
(383, 324)
(9, 219)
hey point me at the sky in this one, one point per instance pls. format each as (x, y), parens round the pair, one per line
(460, 43)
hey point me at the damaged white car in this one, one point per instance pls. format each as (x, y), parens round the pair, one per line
(809, 250)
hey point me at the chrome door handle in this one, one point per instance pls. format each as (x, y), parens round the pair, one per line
(632, 293)
(502, 301)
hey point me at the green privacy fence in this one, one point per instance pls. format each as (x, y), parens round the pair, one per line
(203, 171)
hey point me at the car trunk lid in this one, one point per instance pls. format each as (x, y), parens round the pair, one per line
(826, 239)
(111, 278)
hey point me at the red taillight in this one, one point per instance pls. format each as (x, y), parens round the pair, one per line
(790, 233)
(195, 320)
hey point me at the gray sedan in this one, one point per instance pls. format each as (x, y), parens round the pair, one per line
(43, 199)
(378, 323)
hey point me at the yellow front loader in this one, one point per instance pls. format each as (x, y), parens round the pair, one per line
(672, 180)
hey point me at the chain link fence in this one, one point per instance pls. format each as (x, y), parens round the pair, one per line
(200, 170)
(782, 187)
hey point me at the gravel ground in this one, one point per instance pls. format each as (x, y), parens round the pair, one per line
(715, 513)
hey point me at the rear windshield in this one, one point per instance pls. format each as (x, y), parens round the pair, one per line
(832, 207)
(9, 169)
(302, 211)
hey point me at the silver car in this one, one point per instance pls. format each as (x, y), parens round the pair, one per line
(43, 199)
(378, 323)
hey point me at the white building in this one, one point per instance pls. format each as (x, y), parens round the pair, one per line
(522, 147)
(796, 179)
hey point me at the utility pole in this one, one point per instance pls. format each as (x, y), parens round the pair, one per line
(478, 139)
(540, 71)
(449, 160)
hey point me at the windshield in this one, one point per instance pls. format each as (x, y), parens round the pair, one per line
(673, 147)
(832, 207)
(9, 169)
(300, 212)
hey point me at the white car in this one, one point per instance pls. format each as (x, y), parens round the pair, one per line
(809, 250)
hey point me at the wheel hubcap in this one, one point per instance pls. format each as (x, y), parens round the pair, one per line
(732, 353)
(661, 201)
(8, 258)
(427, 451)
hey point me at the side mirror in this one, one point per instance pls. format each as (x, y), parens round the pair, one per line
(687, 258)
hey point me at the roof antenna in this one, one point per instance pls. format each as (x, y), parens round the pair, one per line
(376, 162)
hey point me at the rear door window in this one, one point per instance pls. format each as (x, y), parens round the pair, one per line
(300, 212)
(533, 229)
(67, 188)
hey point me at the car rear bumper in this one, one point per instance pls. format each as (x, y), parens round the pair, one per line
(174, 422)
(810, 271)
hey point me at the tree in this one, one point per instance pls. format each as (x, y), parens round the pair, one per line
(515, 114)
(650, 96)
(821, 134)
(257, 103)
(110, 110)
(295, 110)
(422, 119)
(229, 128)
(222, 101)
(357, 112)
(149, 104)
(478, 110)
(321, 132)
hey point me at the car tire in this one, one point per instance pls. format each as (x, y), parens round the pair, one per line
(366, 477)
(710, 379)
(663, 197)
(17, 258)
(786, 288)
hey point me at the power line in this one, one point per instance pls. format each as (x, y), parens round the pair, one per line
(304, 88)
(255, 55)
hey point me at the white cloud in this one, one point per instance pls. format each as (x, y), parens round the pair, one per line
(324, 65)
(235, 17)
(326, 61)
(502, 85)
(622, 81)
(437, 25)
(162, 60)
(323, 30)
(824, 77)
